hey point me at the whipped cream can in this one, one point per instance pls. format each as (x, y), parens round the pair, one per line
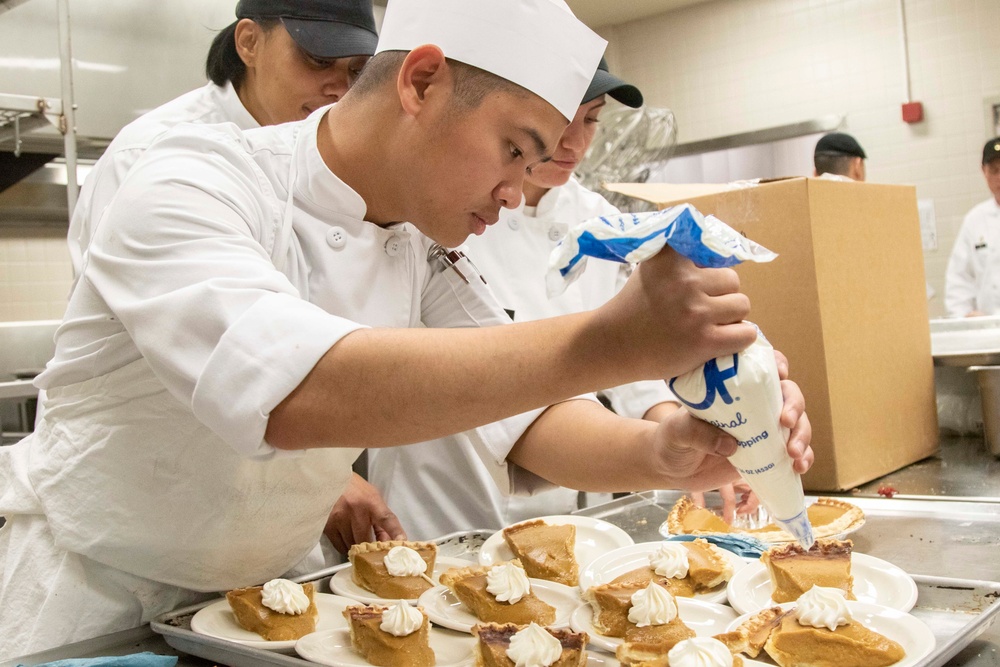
(741, 394)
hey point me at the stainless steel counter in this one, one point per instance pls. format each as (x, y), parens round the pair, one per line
(953, 536)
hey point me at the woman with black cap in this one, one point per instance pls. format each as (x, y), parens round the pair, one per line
(279, 61)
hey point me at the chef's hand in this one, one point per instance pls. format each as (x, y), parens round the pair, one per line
(732, 506)
(360, 513)
(696, 451)
(672, 316)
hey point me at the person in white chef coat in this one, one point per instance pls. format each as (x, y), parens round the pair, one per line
(972, 282)
(419, 481)
(279, 61)
(254, 310)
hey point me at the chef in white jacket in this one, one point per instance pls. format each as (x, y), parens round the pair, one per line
(276, 63)
(442, 486)
(972, 282)
(248, 315)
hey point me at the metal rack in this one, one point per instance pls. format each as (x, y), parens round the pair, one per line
(21, 114)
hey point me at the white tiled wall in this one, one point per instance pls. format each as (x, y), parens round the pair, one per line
(35, 274)
(732, 66)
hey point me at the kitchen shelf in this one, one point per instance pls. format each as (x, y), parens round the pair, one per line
(21, 114)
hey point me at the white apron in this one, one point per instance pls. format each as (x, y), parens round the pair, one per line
(98, 552)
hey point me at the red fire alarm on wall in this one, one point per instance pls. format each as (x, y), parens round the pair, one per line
(913, 112)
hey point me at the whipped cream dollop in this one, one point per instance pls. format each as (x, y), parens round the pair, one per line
(822, 607)
(700, 652)
(652, 605)
(404, 562)
(401, 619)
(284, 597)
(534, 647)
(507, 583)
(670, 560)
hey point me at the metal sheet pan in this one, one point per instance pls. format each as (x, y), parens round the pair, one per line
(958, 609)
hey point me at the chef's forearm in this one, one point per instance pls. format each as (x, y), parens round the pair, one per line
(385, 387)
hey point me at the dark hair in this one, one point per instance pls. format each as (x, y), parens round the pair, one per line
(471, 83)
(223, 62)
(833, 163)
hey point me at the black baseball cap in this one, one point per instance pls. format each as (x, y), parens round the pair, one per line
(991, 151)
(324, 28)
(606, 83)
(839, 143)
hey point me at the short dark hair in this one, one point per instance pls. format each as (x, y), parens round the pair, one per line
(223, 62)
(833, 163)
(471, 83)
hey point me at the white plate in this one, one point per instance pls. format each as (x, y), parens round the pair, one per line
(217, 620)
(616, 563)
(910, 632)
(333, 648)
(875, 581)
(593, 538)
(705, 618)
(342, 583)
(443, 608)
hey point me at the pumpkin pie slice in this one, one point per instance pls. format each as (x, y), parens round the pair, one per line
(469, 586)
(493, 642)
(751, 636)
(708, 568)
(612, 604)
(251, 614)
(383, 648)
(795, 570)
(791, 644)
(546, 551)
(652, 657)
(369, 570)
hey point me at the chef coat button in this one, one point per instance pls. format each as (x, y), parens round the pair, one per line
(513, 223)
(336, 238)
(394, 246)
(555, 234)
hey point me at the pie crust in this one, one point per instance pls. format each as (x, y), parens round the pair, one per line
(382, 648)
(708, 568)
(369, 572)
(652, 656)
(252, 615)
(829, 517)
(545, 550)
(469, 586)
(794, 570)
(493, 640)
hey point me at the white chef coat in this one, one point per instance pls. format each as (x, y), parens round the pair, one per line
(972, 281)
(180, 337)
(435, 489)
(208, 104)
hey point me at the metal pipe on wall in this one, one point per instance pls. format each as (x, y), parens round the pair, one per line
(68, 103)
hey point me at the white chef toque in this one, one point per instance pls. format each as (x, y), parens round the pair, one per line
(537, 44)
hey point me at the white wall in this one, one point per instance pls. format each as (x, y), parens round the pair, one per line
(733, 66)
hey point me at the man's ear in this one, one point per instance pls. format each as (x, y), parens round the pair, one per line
(424, 73)
(858, 169)
(248, 37)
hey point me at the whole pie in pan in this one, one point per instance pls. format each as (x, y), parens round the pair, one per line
(829, 517)
(369, 569)
(794, 570)
(546, 551)
(383, 648)
(469, 586)
(494, 639)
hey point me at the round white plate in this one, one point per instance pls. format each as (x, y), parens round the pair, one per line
(217, 620)
(875, 581)
(333, 648)
(616, 563)
(342, 583)
(443, 608)
(593, 538)
(910, 632)
(705, 618)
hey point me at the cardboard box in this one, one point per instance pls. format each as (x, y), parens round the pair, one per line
(845, 301)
